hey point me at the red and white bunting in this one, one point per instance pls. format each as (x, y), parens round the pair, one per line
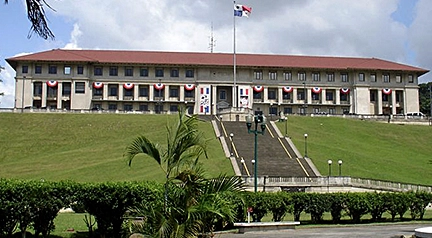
(316, 90)
(128, 85)
(52, 83)
(97, 85)
(258, 88)
(189, 87)
(387, 91)
(159, 86)
(344, 90)
(288, 89)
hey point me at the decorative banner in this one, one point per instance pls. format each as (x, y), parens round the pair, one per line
(97, 85)
(386, 91)
(159, 86)
(316, 90)
(258, 88)
(287, 89)
(205, 100)
(189, 87)
(51, 83)
(128, 85)
(344, 90)
(244, 97)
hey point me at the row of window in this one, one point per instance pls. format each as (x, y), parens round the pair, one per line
(113, 71)
(316, 76)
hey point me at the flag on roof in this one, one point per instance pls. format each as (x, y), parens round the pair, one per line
(242, 10)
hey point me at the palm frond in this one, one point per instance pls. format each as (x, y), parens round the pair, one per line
(142, 145)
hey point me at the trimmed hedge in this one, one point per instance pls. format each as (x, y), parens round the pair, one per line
(35, 204)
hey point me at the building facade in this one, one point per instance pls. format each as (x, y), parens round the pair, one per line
(161, 82)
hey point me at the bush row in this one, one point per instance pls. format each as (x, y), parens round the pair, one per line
(35, 204)
(355, 205)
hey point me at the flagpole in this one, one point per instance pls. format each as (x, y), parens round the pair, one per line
(235, 64)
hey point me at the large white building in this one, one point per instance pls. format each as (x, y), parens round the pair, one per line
(158, 82)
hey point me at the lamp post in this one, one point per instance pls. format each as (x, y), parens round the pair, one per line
(340, 167)
(242, 161)
(258, 119)
(305, 136)
(231, 135)
(286, 126)
(329, 164)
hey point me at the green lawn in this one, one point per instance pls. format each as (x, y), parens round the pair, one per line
(88, 147)
(368, 149)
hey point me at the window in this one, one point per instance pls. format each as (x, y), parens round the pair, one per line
(272, 94)
(372, 96)
(344, 97)
(332, 110)
(67, 70)
(144, 72)
(98, 71)
(330, 77)
(52, 69)
(174, 73)
(97, 91)
(315, 76)
(258, 75)
(189, 73)
(273, 75)
(315, 96)
(300, 94)
(302, 76)
(79, 87)
(128, 92)
(173, 92)
(410, 78)
(143, 91)
(24, 69)
(189, 93)
(287, 76)
(80, 69)
(361, 77)
(113, 90)
(143, 107)
(398, 79)
(344, 77)
(373, 78)
(112, 106)
(273, 110)
(173, 108)
(159, 72)
(386, 78)
(128, 107)
(113, 71)
(257, 95)
(52, 92)
(37, 89)
(385, 97)
(66, 91)
(287, 110)
(128, 71)
(222, 95)
(329, 95)
(38, 69)
(286, 96)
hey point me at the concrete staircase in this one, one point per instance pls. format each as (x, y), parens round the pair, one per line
(277, 156)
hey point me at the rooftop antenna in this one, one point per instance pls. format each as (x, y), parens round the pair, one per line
(212, 43)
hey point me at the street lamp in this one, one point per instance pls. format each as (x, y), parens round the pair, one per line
(305, 136)
(242, 161)
(340, 167)
(258, 119)
(231, 135)
(329, 164)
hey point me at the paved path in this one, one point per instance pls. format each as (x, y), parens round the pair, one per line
(372, 231)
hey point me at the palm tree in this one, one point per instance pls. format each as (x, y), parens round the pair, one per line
(192, 203)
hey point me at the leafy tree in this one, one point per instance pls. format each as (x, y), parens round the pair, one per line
(36, 16)
(279, 203)
(299, 204)
(424, 98)
(316, 205)
(377, 205)
(357, 206)
(337, 205)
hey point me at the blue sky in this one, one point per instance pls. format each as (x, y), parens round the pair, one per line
(395, 30)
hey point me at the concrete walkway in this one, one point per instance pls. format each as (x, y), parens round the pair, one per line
(372, 231)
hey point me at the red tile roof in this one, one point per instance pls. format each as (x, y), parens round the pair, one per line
(214, 59)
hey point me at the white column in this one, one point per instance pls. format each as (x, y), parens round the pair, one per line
(213, 100)
(323, 96)
(136, 92)
(379, 101)
(105, 91)
(59, 95)
(294, 94)
(44, 93)
(393, 102)
(337, 95)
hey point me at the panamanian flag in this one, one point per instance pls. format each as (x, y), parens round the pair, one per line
(242, 10)
(204, 100)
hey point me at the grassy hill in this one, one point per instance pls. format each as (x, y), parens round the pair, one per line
(368, 149)
(88, 147)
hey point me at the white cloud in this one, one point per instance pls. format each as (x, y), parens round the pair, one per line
(7, 87)
(75, 34)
